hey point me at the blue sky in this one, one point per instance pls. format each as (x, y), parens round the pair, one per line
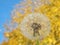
(6, 6)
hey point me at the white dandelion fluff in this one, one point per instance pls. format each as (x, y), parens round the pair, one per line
(35, 25)
(30, 26)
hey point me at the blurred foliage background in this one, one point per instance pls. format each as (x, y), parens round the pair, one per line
(13, 33)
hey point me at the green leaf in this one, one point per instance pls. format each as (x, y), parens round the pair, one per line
(37, 42)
